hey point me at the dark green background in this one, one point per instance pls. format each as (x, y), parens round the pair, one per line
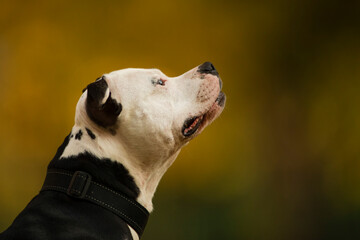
(281, 162)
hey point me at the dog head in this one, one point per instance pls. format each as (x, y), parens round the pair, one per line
(148, 113)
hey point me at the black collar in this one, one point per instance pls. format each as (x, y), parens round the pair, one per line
(79, 185)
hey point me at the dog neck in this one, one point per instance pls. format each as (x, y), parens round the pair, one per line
(91, 148)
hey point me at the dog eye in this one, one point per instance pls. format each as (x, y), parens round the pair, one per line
(161, 82)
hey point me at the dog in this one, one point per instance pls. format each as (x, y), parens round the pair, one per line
(129, 127)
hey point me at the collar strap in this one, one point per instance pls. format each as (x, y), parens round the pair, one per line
(79, 185)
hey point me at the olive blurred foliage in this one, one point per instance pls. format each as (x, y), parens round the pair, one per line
(282, 161)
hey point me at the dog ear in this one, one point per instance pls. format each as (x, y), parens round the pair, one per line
(103, 112)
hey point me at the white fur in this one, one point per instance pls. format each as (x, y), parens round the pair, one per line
(148, 131)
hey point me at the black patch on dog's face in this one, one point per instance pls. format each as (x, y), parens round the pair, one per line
(78, 135)
(90, 133)
(103, 170)
(105, 115)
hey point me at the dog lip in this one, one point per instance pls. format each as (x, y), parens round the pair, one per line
(220, 100)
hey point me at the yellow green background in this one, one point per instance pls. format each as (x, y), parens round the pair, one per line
(281, 162)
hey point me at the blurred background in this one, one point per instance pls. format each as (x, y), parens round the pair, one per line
(282, 161)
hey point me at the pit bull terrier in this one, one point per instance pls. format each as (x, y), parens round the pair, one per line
(129, 127)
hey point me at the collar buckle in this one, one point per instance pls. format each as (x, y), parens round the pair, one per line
(79, 184)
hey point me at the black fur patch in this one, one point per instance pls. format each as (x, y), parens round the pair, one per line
(78, 135)
(105, 115)
(103, 170)
(90, 133)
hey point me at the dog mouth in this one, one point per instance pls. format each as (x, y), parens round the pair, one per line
(191, 125)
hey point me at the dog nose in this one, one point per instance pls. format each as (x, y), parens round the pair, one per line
(208, 68)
